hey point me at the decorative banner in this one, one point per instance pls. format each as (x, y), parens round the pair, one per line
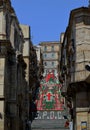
(49, 97)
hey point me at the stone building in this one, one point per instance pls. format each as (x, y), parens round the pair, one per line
(32, 71)
(34, 81)
(75, 56)
(26, 48)
(26, 57)
(51, 56)
(39, 61)
(13, 106)
(18, 71)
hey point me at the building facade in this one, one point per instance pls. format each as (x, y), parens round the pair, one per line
(12, 67)
(32, 59)
(18, 71)
(51, 57)
(75, 56)
(39, 61)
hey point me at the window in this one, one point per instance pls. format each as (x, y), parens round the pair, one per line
(45, 48)
(44, 55)
(16, 39)
(46, 71)
(52, 48)
(52, 63)
(52, 55)
(7, 26)
(45, 63)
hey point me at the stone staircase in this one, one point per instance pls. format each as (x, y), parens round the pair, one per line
(49, 124)
(52, 124)
(51, 110)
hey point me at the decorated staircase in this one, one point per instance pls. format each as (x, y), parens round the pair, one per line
(51, 111)
(52, 124)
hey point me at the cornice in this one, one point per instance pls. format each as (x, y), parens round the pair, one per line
(6, 5)
(49, 43)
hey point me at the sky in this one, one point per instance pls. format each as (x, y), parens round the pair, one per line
(47, 18)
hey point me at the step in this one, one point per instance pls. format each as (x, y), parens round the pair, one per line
(48, 124)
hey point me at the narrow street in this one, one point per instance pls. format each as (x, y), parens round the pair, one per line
(44, 83)
(51, 108)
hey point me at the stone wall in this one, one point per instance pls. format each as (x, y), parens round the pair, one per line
(2, 89)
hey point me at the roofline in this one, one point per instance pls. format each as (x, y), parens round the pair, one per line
(47, 42)
(72, 13)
